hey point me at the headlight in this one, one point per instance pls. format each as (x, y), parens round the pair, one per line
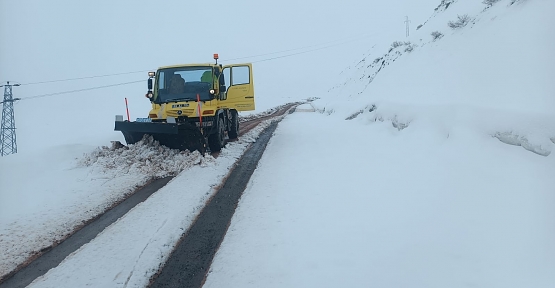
(149, 95)
(212, 91)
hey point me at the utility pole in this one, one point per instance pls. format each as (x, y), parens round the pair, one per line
(8, 143)
(407, 21)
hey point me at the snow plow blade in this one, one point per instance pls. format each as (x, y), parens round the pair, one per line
(182, 136)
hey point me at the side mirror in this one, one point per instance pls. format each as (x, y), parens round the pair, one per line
(149, 94)
(223, 94)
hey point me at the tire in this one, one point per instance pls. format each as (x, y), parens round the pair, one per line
(216, 141)
(234, 129)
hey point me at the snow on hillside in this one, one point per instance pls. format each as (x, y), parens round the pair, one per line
(494, 74)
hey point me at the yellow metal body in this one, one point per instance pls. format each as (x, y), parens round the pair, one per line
(238, 93)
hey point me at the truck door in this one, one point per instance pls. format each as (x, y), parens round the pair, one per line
(239, 87)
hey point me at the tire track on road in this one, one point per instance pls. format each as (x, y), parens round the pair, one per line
(190, 261)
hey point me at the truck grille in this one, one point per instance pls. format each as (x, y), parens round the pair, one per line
(184, 112)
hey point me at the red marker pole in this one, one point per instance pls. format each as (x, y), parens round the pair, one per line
(127, 109)
(199, 111)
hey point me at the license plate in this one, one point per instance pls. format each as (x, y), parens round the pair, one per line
(144, 120)
(204, 124)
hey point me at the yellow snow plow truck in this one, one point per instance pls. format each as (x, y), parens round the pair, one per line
(192, 105)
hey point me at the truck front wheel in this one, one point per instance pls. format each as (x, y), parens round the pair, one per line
(234, 129)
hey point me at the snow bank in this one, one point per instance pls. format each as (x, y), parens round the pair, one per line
(146, 157)
(367, 205)
(306, 107)
(264, 113)
(533, 132)
(491, 74)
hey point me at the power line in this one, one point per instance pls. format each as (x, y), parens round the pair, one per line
(132, 82)
(238, 58)
(305, 47)
(80, 90)
(87, 77)
(303, 52)
(289, 50)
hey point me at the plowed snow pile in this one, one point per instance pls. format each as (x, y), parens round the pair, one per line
(146, 157)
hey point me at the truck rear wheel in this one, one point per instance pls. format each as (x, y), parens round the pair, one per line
(216, 141)
(234, 129)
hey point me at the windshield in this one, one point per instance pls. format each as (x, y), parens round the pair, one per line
(184, 83)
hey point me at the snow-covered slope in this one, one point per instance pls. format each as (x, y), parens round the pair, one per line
(495, 74)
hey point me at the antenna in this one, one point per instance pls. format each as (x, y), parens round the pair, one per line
(407, 21)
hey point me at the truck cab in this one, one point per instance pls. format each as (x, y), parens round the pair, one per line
(214, 86)
(193, 104)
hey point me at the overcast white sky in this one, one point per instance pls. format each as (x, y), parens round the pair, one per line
(58, 39)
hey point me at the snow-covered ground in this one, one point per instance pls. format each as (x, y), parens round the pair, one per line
(418, 188)
(389, 208)
(35, 214)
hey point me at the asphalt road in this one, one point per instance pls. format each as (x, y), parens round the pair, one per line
(191, 259)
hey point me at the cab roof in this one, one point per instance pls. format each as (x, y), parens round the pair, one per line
(189, 65)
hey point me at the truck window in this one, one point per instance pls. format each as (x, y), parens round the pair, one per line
(183, 83)
(161, 80)
(241, 75)
(227, 78)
